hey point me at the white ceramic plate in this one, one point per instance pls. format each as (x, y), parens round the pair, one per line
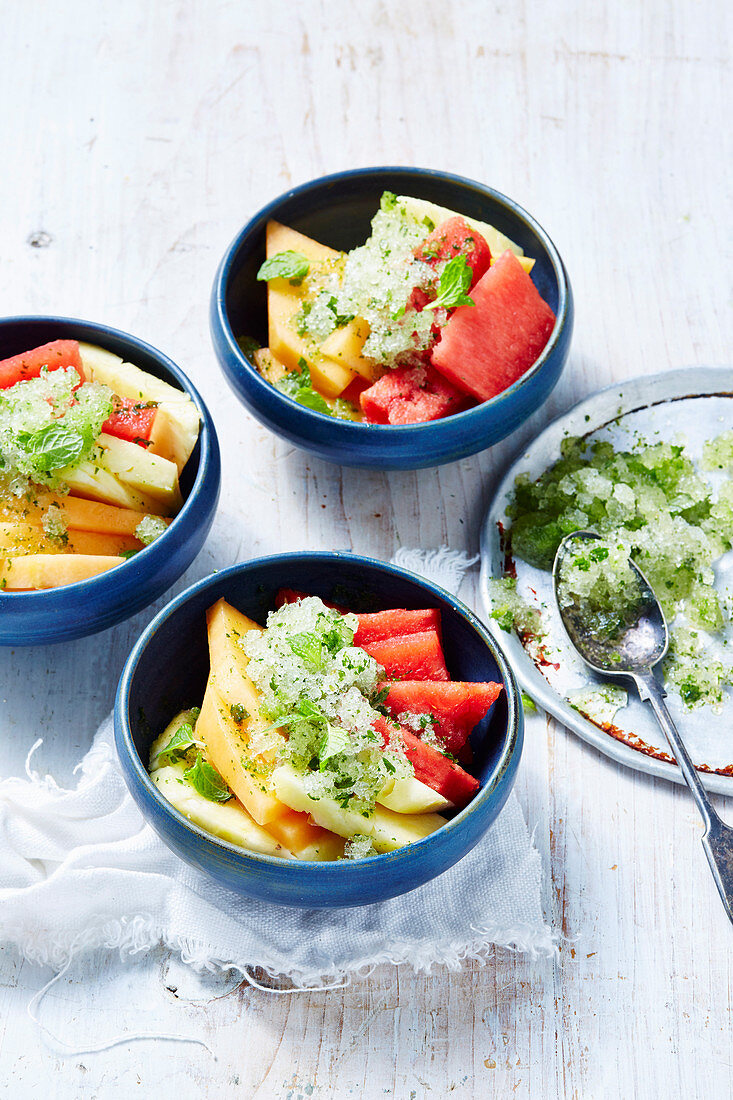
(693, 406)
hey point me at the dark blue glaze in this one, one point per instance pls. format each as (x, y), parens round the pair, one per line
(337, 210)
(167, 671)
(60, 614)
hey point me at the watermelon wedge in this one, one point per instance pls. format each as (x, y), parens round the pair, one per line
(456, 707)
(486, 347)
(411, 395)
(411, 657)
(131, 420)
(395, 624)
(433, 768)
(56, 354)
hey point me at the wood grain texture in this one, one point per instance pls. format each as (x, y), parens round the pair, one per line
(137, 138)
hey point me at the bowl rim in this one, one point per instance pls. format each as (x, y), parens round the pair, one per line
(92, 587)
(512, 737)
(221, 281)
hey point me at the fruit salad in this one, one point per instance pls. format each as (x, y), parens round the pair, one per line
(433, 314)
(324, 735)
(91, 449)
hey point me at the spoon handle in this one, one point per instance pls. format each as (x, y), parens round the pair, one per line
(718, 838)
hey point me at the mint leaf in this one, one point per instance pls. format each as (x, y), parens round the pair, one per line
(181, 740)
(455, 280)
(312, 400)
(528, 702)
(297, 384)
(206, 781)
(284, 265)
(335, 741)
(340, 319)
(53, 446)
(248, 345)
(309, 648)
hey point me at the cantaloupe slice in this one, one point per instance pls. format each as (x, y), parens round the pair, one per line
(227, 749)
(273, 370)
(93, 542)
(306, 841)
(226, 626)
(30, 538)
(127, 380)
(21, 537)
(146, 473)
(77, 513)
(269, 367)
(345, 345)
(283, 302)
(36, 571)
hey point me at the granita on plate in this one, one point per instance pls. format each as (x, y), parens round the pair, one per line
(324, 735)
(654, 505)
(434, 313)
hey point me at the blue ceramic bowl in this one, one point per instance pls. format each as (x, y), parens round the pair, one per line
(337, 210)
(60, 614)
(167, 671)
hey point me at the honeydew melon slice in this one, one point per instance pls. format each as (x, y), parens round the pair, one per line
(420, 209)
(228, 820)
(89, 479)
(410, 796)
(147, 473)
(388, 830)
(127, 380)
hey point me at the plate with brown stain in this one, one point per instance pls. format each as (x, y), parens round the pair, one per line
(690, 406)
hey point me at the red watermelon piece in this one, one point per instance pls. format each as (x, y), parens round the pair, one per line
(131, 420)
(411, 395)
(486, 347)
(451, 238)
(454, 237)
(56, 354)
(395, 624)
(456, 707)
(433, 768)
(412, 657)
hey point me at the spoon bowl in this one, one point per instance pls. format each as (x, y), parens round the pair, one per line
(634, 635)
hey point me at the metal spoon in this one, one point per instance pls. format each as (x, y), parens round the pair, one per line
(639, 644)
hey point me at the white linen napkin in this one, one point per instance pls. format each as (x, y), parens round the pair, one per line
(80, 870)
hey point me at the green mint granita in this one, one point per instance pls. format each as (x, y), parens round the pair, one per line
(324, 692)
(597, 577)
(47, 424)
(150, 528)
(653, 505)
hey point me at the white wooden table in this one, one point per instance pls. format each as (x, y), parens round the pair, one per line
(136, 140)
